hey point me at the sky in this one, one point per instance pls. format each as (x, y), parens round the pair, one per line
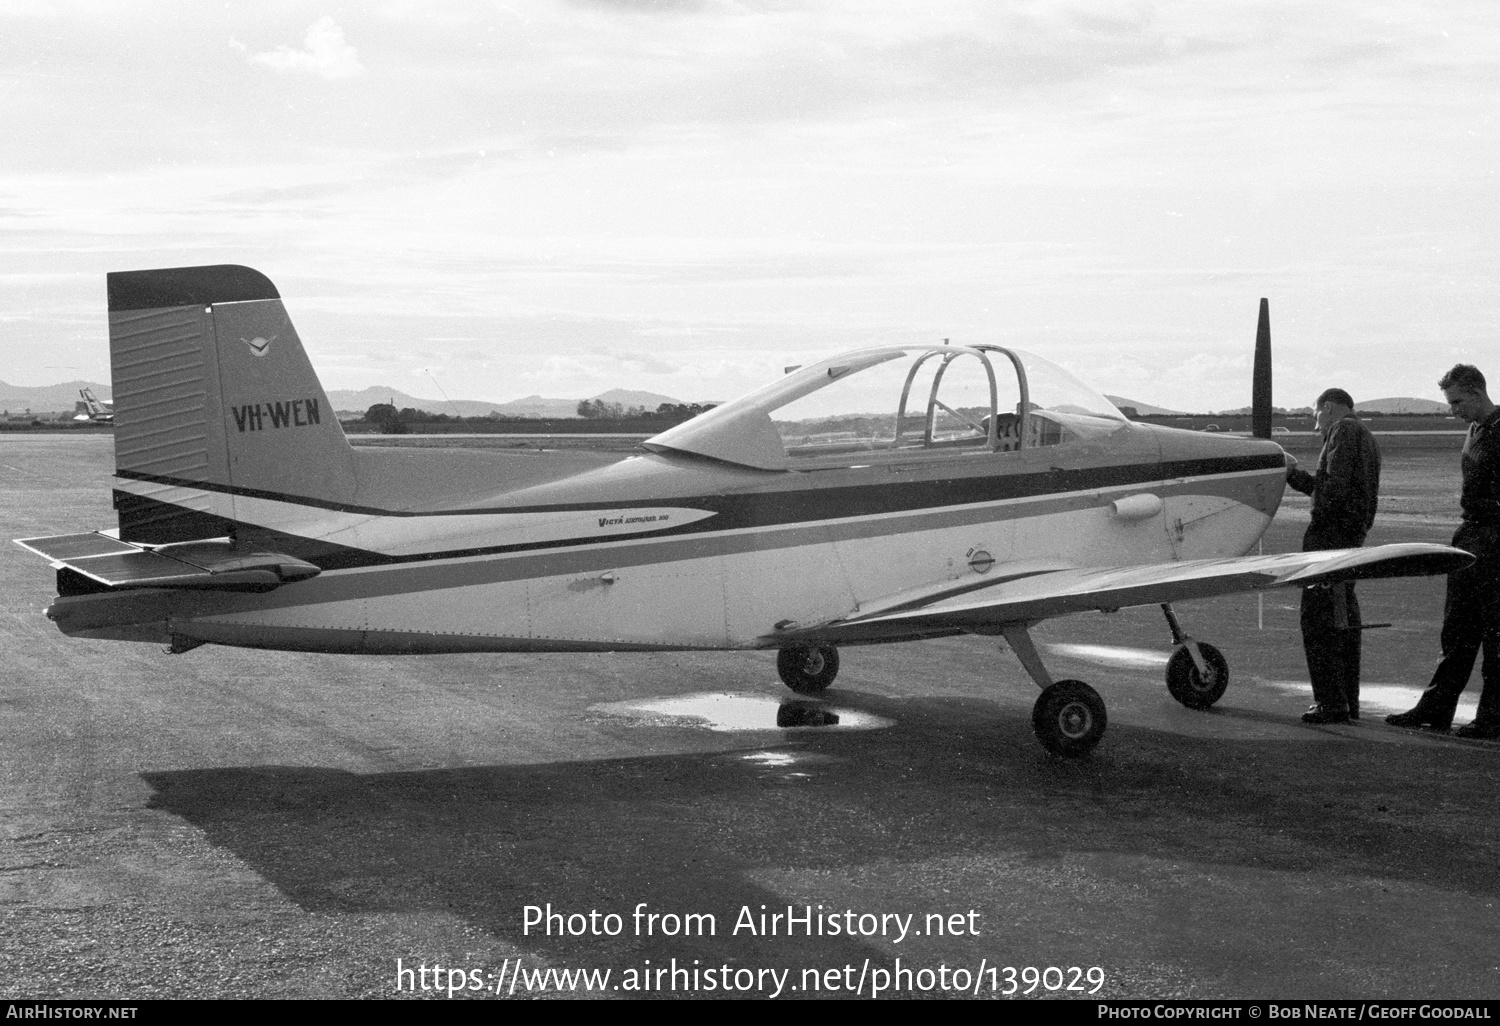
(495, 200)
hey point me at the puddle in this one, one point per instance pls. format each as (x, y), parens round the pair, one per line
(1113, 655)
(729, 712)
(1385, 698)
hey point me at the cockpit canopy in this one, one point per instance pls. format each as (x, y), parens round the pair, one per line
(897, 402)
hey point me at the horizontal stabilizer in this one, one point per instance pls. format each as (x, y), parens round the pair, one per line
(1041, 596)
(215, 565)
(63, 547)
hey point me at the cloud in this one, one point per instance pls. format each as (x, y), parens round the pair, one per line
(326, 54)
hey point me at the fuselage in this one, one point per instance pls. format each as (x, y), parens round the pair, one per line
(672, 550)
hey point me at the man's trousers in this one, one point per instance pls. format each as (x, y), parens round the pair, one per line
(1471, 622)
(1331, 638)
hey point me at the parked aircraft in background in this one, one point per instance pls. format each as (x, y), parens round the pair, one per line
(890, 494)
(94, 409)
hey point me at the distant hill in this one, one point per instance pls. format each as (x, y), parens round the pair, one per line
(46, 398)
(1143, 409)
(627, 398)
(1280, 411)
(1402, 405)
(530, 406)
(536, 406)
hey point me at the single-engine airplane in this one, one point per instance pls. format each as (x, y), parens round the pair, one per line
(93, 408)
(890, 494)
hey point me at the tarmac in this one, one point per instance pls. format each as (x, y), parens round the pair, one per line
(235, 823)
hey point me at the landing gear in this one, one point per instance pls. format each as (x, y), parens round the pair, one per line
(1197, 673)
(808, 670)
(1194, 689)
(1069, 718)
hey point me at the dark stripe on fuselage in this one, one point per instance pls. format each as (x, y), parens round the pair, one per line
(742, 512)
(765, 508)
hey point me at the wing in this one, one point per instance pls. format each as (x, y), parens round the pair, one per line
(215, 565)
(1038, 592)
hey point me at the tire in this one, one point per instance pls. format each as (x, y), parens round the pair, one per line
(1069, 718)
(1188, 686)
(808, 671)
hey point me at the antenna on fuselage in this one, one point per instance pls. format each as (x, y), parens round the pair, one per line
(1260, 378)
(450, 402)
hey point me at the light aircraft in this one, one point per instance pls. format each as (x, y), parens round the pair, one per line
(94, 409)
(890, 494)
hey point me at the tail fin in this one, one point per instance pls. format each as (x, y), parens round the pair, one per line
(214, 399)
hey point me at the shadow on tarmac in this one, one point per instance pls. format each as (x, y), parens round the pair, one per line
(954, 777)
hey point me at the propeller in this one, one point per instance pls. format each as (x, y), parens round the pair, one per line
(1260, 384)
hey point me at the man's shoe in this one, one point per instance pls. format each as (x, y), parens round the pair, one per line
(1477, 729)
(1321, 715)
(1418, 718)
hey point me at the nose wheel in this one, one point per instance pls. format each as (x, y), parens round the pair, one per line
(1197, 673)
(1194, 688)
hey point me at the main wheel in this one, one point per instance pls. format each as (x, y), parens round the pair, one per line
(1069, 718)
(809, 670)
(1191, 688)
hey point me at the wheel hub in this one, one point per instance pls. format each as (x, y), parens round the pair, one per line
(1074, 719)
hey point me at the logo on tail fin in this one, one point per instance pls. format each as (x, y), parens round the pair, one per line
(259, 346)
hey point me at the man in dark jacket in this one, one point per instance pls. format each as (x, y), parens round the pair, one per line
(1343, 491)
(1471, 612)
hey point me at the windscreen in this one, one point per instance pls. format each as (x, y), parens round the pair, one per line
(1062, 407)
(918, 398)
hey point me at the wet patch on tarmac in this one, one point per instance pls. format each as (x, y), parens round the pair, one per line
(736, 712)
(782, 763)
(1112, 655)
(1381, 698)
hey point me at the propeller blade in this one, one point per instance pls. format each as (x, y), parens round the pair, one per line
(1260, 386)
